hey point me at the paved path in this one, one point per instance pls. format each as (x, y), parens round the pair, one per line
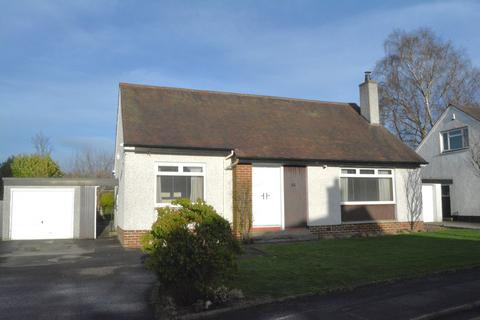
(72, 279)
(460, 224)
(401, 300)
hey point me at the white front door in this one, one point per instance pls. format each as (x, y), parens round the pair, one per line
(428, 203)
(267, 196)
(42, 213)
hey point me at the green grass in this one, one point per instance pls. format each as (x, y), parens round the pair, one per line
(323, 265)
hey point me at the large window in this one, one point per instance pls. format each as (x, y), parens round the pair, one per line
(366, 185)
(455, 139)
(175, 181)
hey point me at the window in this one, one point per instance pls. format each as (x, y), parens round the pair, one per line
(365, 171)
(455, 139)
(369, 185)
(175, 181)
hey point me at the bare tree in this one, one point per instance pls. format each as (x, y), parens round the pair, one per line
(475, 157)
(93, 163)
(413, 191)
(41, 143)
(242, 206)
(419, 77)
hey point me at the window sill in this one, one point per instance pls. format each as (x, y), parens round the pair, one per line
(163, 205)
(357, 203)
(454, 151)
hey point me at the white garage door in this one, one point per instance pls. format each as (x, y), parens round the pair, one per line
(42, 213)
(428, 203)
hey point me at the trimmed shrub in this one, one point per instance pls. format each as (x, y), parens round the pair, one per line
(107, 202)
(192, 250)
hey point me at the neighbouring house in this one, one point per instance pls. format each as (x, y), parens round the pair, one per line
(450, 182)
(292, 163)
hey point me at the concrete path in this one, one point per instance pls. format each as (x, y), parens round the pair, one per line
(462, 225)
(73, 279)
(402, 300)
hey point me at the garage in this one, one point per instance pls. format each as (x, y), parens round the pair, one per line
(50, 208)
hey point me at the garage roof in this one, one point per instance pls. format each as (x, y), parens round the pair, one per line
(256, 127)
(58, 182)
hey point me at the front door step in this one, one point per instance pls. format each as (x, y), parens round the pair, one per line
(282, 235)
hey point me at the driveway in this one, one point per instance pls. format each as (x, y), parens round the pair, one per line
(73, 279)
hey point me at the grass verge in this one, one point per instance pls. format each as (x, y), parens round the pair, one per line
(324, 265)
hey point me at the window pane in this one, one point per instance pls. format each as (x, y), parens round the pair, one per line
(385, 189)
(384, 171)
(192, 169)
(445, 141)
(455, 132)
(168, 168)
(196, 188)
(170, 188)
(465, 138)
(456, 142)
(164, 189)
(180, 187)
(344, 189)
(367, 171)
(366, 189)
(349, 171)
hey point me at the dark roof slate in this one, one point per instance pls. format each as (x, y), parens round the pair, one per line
(256, 127)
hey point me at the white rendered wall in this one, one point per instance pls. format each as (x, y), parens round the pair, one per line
(323, 196)
(139, 186)
(403, 209)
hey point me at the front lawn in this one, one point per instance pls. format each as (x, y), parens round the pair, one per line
(319, 266)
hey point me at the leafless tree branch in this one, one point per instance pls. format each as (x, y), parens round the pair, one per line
(42, 144)
(92, 163)
(419, 77)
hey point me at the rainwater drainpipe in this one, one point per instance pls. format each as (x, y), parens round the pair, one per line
(234, 163)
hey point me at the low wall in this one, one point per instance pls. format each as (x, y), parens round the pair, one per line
(369, 228)
(130, 238)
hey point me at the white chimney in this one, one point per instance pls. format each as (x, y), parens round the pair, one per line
(369, 100)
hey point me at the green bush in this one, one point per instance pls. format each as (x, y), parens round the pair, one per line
(107, 202)
(192, 250)
(35, 166)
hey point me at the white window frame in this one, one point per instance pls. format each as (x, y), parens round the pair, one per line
(462, 130)
(180, 172)
(376, 174)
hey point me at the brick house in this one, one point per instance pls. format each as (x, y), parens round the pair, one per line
(289, 163)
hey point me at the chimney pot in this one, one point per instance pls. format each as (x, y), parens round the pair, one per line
(368, 76)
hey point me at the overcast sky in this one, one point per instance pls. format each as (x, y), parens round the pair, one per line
(61, 61)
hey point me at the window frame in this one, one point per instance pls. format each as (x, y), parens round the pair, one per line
(376, 174)
(462, 130)
(180, 172)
